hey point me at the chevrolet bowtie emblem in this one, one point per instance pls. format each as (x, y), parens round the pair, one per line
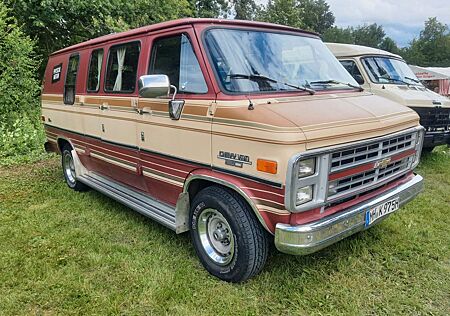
(383, 163)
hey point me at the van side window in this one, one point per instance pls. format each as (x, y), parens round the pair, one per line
(353, 70)
(95, 68)
(122, 68)
(71, 79)
(175, 57)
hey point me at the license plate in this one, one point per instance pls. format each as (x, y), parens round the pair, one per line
(381, 210)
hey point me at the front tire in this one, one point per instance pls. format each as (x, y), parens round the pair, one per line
(69, 172)
(227, 237)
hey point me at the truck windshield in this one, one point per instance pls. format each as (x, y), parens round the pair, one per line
(249, 61)
(389, 71)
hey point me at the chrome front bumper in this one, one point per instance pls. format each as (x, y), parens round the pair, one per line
(311, 237)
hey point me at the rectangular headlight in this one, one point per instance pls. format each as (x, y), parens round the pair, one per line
(304, 194)
(306, 167)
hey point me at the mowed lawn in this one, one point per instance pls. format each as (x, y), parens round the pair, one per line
(63, 252)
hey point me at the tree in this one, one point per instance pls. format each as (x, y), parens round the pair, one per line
(339, 35)
(388, 44)
(210, 8)
(369, 35)
(432, 48)
(58, 24)
(285, 12)
(316, 15)
(244, 9)
(313, 15)
(19, 87)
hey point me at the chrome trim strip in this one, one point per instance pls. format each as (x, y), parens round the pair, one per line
(311, 237)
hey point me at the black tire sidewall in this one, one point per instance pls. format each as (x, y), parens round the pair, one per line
(236, 269)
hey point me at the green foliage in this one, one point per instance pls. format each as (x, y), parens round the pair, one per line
(285, 12)
(245, 9)
(210, 8)
(432, 48)
(18, 85)
(316, 16)
(57, 24)
(313, 15)
(21, 134)
(21, 141)
(388, 44)
(371, 35)
(339, 35)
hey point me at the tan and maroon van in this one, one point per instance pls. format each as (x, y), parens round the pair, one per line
(239, 132)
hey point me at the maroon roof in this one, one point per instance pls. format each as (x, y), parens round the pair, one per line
(169, 24)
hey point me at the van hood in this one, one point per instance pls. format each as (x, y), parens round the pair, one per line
(414, 96)
(327, 120)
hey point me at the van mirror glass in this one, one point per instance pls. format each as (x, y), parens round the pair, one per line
(153, 86)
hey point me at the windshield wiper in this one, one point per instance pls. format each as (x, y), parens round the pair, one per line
(412, 79)
(255, 77)
(332, 81)
(395, 80)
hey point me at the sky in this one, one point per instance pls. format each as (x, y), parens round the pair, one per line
(402, 20)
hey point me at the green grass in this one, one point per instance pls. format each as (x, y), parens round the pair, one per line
(63, 252)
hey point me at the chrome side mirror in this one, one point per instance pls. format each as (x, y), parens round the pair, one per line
(153, 86)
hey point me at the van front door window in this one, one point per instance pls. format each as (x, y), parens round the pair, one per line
(174, 56)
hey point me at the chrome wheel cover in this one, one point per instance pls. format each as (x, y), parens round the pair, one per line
(216, 236)
(69, 168)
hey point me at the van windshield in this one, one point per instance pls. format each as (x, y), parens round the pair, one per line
(249, 61)
(389, 71)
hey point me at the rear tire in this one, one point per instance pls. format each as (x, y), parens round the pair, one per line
(228, 239)
(68, 167)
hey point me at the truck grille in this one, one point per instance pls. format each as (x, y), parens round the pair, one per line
(399, 149)
(371, 152)
(434, 119)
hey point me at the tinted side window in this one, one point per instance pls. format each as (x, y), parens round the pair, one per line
(353, 70)
(95, 68)
(71, 79)
(175, 57)
(122, 68)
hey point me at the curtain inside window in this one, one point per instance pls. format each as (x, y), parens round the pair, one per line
(120, 61)
(99, 68)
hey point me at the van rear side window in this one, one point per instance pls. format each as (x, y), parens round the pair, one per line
(122, 68)
(71, 79)
(95, 68)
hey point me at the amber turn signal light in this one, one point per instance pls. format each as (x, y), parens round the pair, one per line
(267, 166)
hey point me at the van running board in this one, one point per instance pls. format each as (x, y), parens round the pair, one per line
(162, 213)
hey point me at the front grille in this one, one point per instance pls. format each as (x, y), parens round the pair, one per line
(371, 152)
(361, 180)
(434, 119)
(368, 156)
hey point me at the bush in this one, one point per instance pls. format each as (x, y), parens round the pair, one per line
(21, 134)
(21, 141)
